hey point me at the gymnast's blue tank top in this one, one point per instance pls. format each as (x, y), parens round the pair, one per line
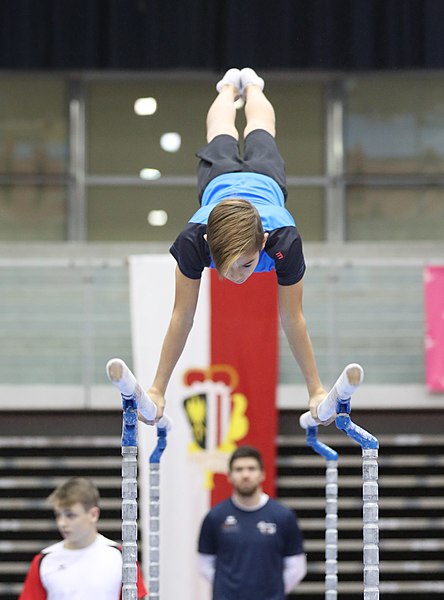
(262, 191)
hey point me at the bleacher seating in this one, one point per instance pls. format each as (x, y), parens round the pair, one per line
(411, 490)
(411, 507)
(31, 466)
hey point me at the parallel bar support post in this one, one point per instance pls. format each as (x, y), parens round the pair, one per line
(331, 530)
(136, 400)
(129, 499)
(370, 522)
(331, 511)
(369, 445)
(154, 512)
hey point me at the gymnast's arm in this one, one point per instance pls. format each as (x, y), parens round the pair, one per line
(295, 328)
(185, 302)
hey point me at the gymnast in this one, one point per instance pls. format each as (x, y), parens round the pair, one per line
(242, 227)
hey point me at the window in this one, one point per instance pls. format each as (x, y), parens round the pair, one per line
(33, 158)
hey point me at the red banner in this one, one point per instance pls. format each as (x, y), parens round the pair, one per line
(244, 336)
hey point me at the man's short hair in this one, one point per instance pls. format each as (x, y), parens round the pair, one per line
(76, 489)
(246, 452)
(234, 229)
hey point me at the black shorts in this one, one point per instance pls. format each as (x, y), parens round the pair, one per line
(222, 155)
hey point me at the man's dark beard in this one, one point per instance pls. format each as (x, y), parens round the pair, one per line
(247, 494)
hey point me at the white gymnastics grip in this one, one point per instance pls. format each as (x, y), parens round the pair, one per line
(122, 377)
(349, 380)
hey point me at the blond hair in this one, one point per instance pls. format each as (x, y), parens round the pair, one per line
(76, 489)
(234, 229)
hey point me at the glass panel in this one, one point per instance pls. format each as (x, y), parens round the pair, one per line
(394, 125)
(133, 141)
(32, 213)
(308, 209)
(300, 125)
(369, 315)
(395, 214)
(122, 213)
(62, 323)
(122, 142)
(33, 125)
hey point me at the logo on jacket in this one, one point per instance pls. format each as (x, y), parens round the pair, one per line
(216, 414)
(266, 528)
(230, 524)
(279, 255)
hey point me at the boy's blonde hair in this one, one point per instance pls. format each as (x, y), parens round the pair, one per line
(234, 229)
(76, 489)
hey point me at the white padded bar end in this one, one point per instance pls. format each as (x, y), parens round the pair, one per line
(122, 377)
(347, 383)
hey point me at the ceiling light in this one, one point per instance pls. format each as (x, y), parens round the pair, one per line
(149, 174)
(170, 142)
(145, 106)
(157, 218)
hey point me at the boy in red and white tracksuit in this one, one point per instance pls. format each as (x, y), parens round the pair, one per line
(85, 565)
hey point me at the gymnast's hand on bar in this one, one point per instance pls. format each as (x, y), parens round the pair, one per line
(315, 400)
(159, 400)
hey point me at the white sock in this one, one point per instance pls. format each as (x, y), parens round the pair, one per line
(231, 77)
(250, 77)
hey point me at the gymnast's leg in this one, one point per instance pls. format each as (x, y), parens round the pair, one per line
(221, 115)
(259, 111)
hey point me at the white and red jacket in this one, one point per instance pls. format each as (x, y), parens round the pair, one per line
(91, 573)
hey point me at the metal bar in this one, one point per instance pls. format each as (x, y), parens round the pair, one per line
(347, 382)
(189, 180)
(364, 255)
(129, 498)
(331, 511)
(370, 510)
(370, 522)
(136, 400)
(335, 192)
(154, 512)
(76, 209)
